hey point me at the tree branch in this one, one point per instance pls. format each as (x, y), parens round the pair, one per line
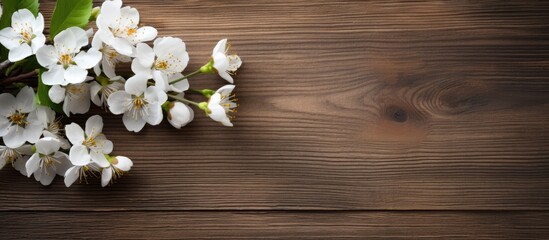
(10, 80)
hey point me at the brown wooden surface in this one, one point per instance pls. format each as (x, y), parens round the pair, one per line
(358, 120)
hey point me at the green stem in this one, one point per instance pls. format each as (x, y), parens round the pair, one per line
(194, 91)
(199, 71)
(184, 100)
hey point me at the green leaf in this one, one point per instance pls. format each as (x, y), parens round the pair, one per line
(8, 8)
(70, 13)
(42, 97)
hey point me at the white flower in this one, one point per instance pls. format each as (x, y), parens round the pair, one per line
(100, 92)
(53, 127)
(167, 58)
(221, 104)
(13, 155)
(111, 58)
(47, 161)
(179, 114)
(226, 65)
(138, 103)
(66, 63)
(18, 120)
(119, 165)
(25, 36)
(89, 146)
(79, 172)
(118, 27)
(75, 97)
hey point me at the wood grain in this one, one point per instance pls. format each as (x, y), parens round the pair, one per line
(276, 225)
(345, 105)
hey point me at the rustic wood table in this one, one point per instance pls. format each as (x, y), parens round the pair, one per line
(358, 120)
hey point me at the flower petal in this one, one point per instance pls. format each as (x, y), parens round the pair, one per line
(155, 95)
(47, 146)
(57, 93)
(33, 132)
(15, 137)
(54, 76)
(134, 124)
(25, 100)
(118, 102)
(47, 178)
(87, 60)
(79, 155)
(38, 42)
(106, 176)
(9, 38)
(99, 159)
(71, 175)
(94, 93)
(33, 164)
(47, 56)
(74, 133)
(38, 24)
(123, 46)
(161, 80)
(146, 33)
(94, 126)
(75, 74)
(136, 85)
(154, 116)
(19, 53)
(22, 19)
(220, 47)
(145, 55)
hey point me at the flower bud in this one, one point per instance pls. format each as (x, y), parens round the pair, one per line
(179, 114)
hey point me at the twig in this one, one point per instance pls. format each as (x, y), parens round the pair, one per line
(10, 80)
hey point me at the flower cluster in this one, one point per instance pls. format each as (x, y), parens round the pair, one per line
(46, 78)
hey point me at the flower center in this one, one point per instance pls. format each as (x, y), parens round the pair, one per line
(19, 119)
(27, 36)
(131, 31)
(161, 65)
(65, 60)
(229, 103)
(89, 142)
(74, 89)
(138, 103)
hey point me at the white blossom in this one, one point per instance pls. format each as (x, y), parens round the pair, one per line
(64, 60)
(52, 126)
(222, 104)
(164, 61)
(119, 27)
(139, 104)
(89, 146)
(19, 122)
(14, 156)
(111, 58)
(119, 165)
(226, 65)
(25, 36)
(47, 161)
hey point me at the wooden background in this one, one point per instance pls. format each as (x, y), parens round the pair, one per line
(358, 120)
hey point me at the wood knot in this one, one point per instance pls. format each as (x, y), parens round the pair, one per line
(397, 114)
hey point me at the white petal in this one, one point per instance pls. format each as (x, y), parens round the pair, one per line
(161, 80)
(33, 164)
(80, 104)
(220, 47)
(226, 76)
(75, 74)
(146, 34)
(145, 55)
(47, 56)
(79, 155)
(4, 126)
(133, 124)
(180, 86)
(25, 100)
(106, 176)
(155, 115)
(74, 133)
(47, 146)
(168, 45)
(155, 95)
(226, 90)
(8, 104)
(136, 85)
(15, 137)
(38, 24)
(38, 42)
(124, 47)
(21, 18)
(108, 69)
(118, 102)
(104, 34)
(54, 76)
(33, 132)
(47, 178)
(56, 93)
(19, 53)
(87, 60)
(179, 115)
(94, 93)
(139, 69)
(9, 38)
(103, 144)
(94, 126)
(99, 159)
(71, 175)
(124, 163)
(110, 11)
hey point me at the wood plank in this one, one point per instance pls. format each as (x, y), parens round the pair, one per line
(275, 225)
(344, 105)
